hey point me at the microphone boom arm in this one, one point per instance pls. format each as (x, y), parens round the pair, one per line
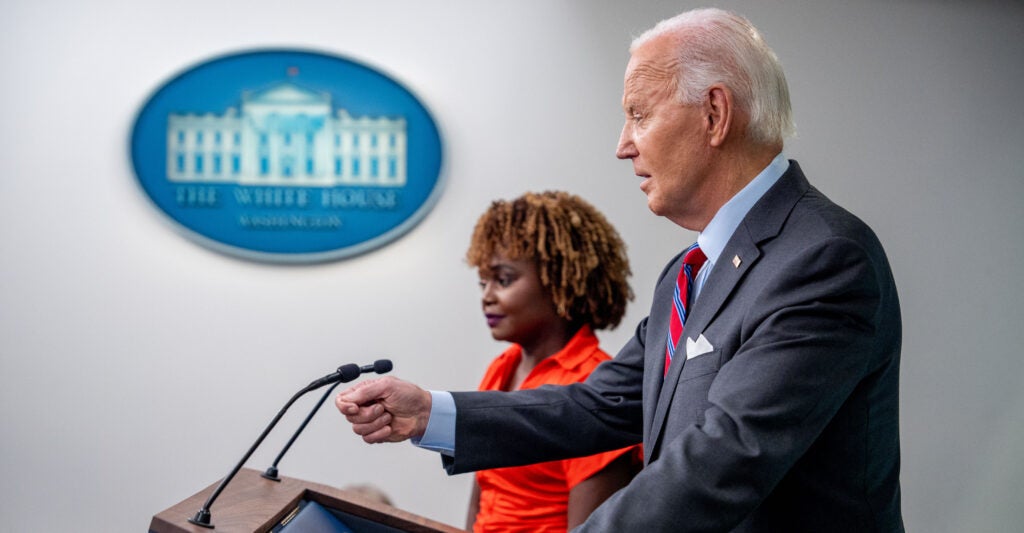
(344, 374)
(271, 472)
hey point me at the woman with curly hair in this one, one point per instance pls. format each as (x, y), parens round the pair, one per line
(552, 270)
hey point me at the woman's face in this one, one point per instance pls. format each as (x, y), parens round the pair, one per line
(516, 306)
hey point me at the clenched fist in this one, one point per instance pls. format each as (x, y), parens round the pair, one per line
(385, 409)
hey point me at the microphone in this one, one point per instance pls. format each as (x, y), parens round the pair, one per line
(344, 374)
(380, 366)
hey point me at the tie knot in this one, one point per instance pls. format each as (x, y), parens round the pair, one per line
(694, 256)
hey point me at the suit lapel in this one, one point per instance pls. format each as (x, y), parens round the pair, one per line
(722, 281)
(654, 362)
(764, 221)
(719, 285)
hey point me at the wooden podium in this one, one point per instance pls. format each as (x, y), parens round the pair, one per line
(250, 503)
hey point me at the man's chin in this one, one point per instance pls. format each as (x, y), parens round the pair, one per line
(653, 205)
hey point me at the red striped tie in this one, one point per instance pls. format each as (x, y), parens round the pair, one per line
(692, 261)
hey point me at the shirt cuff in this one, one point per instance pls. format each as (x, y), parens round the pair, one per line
(440, 433)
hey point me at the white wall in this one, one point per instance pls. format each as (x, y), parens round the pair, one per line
(136, 367)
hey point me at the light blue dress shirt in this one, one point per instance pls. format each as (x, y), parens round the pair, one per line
(718, 232)
(440, 432)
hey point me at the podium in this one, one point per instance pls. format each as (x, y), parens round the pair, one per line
(251, 503)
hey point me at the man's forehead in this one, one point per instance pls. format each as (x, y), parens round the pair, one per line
(644, 72)
(645, 79)
(651, 62)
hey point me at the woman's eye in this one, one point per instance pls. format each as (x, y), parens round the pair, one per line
(504, 282)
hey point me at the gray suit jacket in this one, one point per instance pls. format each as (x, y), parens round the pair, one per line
(789, 424)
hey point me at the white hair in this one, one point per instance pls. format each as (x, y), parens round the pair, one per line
(717, 46)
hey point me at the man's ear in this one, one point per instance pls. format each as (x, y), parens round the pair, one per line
(718, 114)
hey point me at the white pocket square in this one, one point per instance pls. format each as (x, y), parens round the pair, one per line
(697, 347)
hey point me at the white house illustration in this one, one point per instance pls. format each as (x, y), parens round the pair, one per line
(286, 136)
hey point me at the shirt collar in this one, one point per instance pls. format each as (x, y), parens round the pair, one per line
(577, 350)
(574, 353)
(718, 232)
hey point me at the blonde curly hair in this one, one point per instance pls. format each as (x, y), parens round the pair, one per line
(579, 256)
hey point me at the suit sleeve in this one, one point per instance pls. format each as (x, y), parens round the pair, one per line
(499, 429)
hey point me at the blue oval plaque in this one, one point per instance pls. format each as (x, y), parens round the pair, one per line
(288, 155)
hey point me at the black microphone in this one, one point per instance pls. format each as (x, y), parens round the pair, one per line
(380, 366)
(344, 374)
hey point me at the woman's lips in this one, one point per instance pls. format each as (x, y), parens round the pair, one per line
(492, 320)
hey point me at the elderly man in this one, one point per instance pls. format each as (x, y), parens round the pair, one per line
(764, 382)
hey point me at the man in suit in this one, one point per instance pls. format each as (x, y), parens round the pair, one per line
(776, 408)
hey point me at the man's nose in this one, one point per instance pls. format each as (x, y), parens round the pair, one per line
(626, 149)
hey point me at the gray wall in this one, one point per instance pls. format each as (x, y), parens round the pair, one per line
(136, 366)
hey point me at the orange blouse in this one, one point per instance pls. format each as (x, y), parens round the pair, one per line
(535, 498)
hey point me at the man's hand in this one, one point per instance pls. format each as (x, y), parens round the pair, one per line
(385, 409)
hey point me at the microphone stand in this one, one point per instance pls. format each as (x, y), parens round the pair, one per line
(380, 366)
(271, 473)
(202, 516)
